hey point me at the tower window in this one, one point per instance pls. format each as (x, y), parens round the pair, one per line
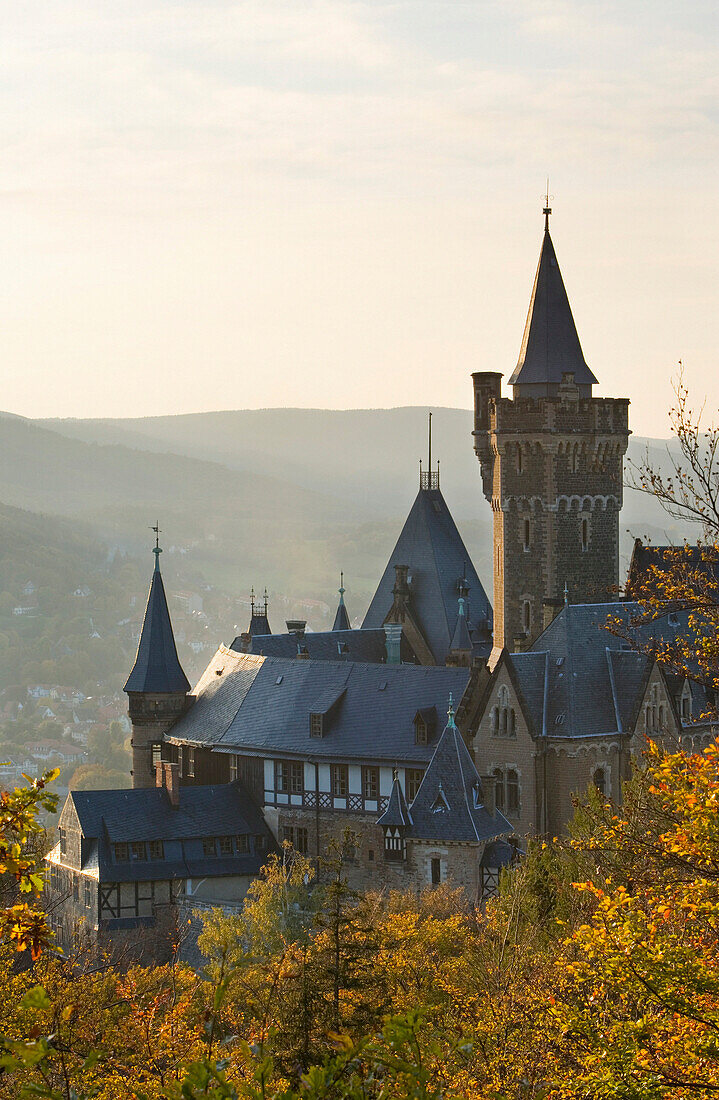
(526, 616)
(512, 792)
(519, 458)
(436, 871)
(526, 534)
(585, 534)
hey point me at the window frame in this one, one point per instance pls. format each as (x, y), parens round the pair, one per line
(412, 782)
(339, 780)
(370, 782)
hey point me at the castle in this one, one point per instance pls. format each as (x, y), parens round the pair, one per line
(444, 730)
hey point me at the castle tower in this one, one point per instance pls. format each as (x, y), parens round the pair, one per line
(551, 467)
(157, 688)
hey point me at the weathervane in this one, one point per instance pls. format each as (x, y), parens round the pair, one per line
(547, 208)
(156, 548)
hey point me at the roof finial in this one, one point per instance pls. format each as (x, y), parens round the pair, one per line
(547, 208)
(450, 713)
(156, 549)
(342, 587)
(461, 605)
(429, 460)
(252, 600)
(566, 593)
(265, 601)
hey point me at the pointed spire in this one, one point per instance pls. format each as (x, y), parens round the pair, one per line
(461, 641)
(397, 812)
(550, 345)
(157, 667)
(342, 619)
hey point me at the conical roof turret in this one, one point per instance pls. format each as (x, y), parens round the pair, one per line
(342, 619)
(550, 345)
(157, 668)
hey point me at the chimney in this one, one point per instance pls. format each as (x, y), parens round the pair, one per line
(167, 775)
(393, 642)
(296, 627)
(489, 790)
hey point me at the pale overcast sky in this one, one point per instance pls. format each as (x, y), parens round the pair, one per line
(219, 205)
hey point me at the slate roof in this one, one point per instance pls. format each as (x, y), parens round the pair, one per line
(579, 679)
(342, 619)
(325, 645)
(698, 564)
(550, 345)
(449, 804)
(397, 813)
(259, 624)
(268, 710)
(157, 667)
(432, 547)
(461, 641)
(123, 816)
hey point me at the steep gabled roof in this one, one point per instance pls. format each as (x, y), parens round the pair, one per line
(550, 345)
(432, 547)
(157, 667)
(449, 803)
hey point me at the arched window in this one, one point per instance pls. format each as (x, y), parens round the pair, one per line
(519, 458)
(526, 616)
(512, 723)
(494, 722)
(585, 534)
(599, 779)
(575, 459)
(526, 532)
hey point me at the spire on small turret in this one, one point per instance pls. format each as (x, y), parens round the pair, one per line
(461, 640)
(551, 351)
(157, 668)
(342, 619)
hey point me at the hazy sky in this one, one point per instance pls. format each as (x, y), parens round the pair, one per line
(338, 203)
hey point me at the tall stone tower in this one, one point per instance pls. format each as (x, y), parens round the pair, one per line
(157, 688)
(551, 467)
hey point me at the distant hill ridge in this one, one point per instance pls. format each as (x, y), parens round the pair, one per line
(285, 497)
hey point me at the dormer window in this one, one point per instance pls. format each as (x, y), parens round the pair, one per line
(440, 804)
(424, 723)
(317, 725)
